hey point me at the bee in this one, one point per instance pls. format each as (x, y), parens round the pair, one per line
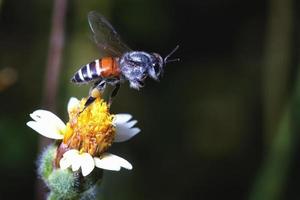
(120, 63)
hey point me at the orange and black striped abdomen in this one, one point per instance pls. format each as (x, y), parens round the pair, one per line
(101, 68)
(109, 67)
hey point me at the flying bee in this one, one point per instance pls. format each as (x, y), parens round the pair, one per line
(121, 63)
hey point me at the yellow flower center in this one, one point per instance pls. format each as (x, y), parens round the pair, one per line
(90, 130)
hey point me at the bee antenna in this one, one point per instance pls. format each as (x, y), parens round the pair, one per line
(170, 54)
(173, 60)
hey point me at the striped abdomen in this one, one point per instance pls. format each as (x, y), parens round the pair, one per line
(100, 68)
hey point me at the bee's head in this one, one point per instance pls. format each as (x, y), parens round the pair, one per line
(156, 70)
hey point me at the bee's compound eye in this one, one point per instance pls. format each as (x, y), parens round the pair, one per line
(156, 68)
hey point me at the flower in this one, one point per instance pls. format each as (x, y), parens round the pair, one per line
(86, 137)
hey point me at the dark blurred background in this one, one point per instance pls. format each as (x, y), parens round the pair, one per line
(221, 124)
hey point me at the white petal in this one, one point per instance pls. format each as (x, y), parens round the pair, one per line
(87, 164)
(71, 153)
(76, 163)
(131, 123)
(64, 163)
(112, 162)
(49, 118)
(124, 130)
(73, 102)
(124, 133)
(74, 158)
(105, 164)
(122, 118)
(45, 129)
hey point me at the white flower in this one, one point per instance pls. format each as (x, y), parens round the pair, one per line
(49, 125)
(87, 163)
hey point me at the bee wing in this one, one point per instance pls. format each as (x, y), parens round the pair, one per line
(105, 36)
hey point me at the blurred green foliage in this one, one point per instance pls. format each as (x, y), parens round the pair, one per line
(221, 124)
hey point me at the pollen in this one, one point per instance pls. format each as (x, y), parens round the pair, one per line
(90, 130)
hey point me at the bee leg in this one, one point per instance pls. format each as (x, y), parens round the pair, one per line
(88, 102)
(114, 93)
(94, 93)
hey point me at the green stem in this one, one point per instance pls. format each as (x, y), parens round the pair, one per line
(276, 64)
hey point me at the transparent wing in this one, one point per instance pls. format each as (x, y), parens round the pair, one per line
(105, 36)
